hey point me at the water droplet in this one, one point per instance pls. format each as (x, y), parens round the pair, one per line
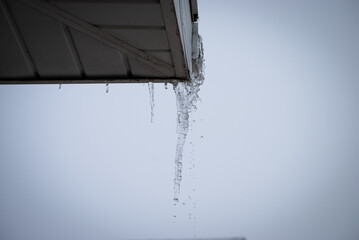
(165, 85)
(201, 137)
(60, 86)
(107, 87)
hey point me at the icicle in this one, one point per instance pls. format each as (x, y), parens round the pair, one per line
(187, 98)
(151, 91)
(182, 128)
(165, 85)
(107, 87)
(60, 86)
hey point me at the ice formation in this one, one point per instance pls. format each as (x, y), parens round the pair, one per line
(187, 98)
(151, 91)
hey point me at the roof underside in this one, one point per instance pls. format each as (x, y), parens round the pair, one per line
(89, 41)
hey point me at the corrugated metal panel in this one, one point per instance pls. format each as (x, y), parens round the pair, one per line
(13, 56)
(128, 13)
(98, 60)
(95, 41)
(147, 39)
(50, 50)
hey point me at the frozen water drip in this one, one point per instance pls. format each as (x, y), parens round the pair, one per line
(186, 99)
(151, 91)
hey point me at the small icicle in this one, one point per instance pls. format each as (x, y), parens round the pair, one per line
(166, 85)
(107, 87)
(151, 91)
(60, 86)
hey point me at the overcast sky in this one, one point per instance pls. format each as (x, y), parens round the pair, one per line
(279, 157)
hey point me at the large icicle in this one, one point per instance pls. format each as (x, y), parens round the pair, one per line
(187, 98)
(182, 130)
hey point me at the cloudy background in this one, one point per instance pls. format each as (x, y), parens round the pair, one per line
(274, 143)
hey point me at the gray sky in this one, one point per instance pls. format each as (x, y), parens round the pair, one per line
(279, 157)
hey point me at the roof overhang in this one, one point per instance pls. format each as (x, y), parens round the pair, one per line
(94, 41)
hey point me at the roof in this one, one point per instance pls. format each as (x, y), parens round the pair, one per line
(94, 41)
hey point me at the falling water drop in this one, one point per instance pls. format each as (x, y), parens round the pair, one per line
(107, 87)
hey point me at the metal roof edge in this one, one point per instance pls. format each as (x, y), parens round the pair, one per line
(89, 81)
